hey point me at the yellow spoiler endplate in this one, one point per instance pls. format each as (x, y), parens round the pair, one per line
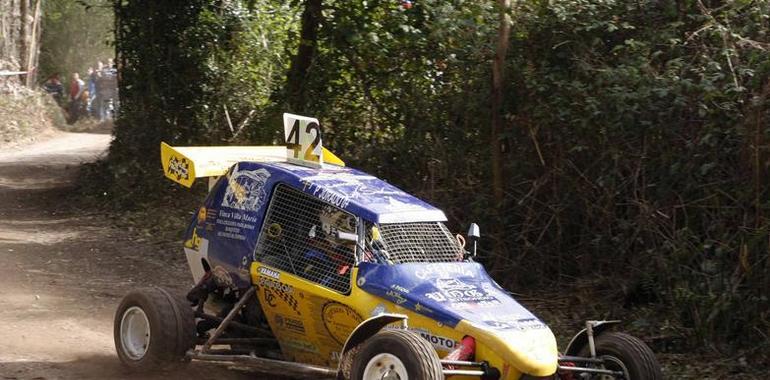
(184, 164)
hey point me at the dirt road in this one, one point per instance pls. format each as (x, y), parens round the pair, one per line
(64, 271)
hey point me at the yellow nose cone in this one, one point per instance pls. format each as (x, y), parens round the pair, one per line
(531, 351)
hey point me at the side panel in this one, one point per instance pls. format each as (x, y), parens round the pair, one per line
(310, 321)
(225, 229)
(195, 247)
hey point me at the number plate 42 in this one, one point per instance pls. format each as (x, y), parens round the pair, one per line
(303, 140)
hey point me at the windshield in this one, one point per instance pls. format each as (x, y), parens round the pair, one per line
(422, 242)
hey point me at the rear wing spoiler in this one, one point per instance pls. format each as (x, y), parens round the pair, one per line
(184, 164)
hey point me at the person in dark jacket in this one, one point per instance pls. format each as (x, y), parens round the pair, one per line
(54, 87)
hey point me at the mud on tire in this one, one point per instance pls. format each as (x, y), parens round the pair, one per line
(153, 330)
(623, 352)
(415, 355)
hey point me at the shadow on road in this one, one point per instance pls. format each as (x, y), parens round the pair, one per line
(108, 367)
(65, 270)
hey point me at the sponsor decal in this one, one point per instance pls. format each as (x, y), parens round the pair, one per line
(270, 299)
(246, 189)
(288, 323)
(179, 168)
(506, 323)
(244, 195)
(501, 325)
(443, 270)
(399, 288)
(344, 186)
(326, 193)
(462, 295)
(438, 342)
(396, 297)
(274, 291)
(235, 224)
(194, 242)
(422, 309)
(300, 345)
(265, 271)
(331, 197)
(268, 283)
(340, 321)
(452, 284)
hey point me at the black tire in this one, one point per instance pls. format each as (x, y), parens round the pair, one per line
(623, 352)
(171, 330)
(417, 355)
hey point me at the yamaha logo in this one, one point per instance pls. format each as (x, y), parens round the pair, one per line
(269, 272)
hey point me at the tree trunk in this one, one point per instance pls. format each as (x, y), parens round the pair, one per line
(34, 47)
(6, 12)
(23, 11)
(497, 98)
(300, 63)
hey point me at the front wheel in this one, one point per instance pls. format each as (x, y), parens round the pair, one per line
(627, 354)
(396, 355)
(153, 330)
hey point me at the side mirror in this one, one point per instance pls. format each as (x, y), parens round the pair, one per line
(474, 234)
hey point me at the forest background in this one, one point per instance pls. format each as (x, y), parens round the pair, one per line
(615, 153)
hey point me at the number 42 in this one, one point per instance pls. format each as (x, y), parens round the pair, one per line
(293, 141)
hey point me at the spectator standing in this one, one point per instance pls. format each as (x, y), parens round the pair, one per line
(54, 87)
(106, 89)
(98, 99)
(92, 76)
(77, 86)
(76, 94)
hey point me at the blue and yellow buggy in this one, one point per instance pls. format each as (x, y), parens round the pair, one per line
(307, 268)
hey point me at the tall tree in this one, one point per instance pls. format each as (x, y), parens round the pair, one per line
(300, 63)
(496, 107)
(23, 46)
(33, 48)
(19, 36)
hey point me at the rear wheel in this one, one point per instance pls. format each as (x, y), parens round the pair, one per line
(627, 354)
(396, 355)
(153, 330)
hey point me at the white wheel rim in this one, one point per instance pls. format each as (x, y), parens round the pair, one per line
(134, 333)
(385, 367)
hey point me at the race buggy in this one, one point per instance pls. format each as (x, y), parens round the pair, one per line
(305, 268)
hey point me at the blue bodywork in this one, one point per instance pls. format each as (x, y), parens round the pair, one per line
(447, 293)
(236, 206)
